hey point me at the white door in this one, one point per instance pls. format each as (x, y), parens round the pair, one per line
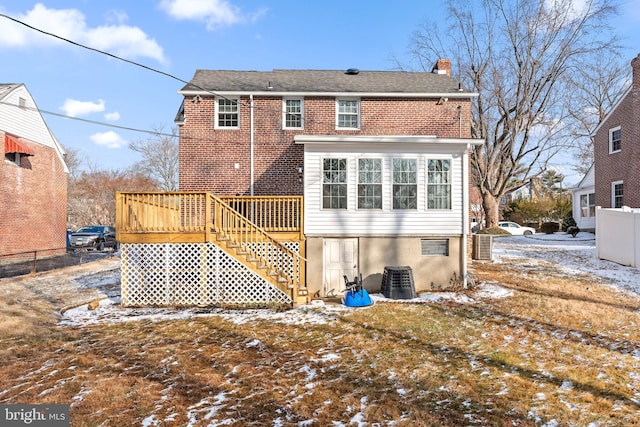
(340, 258)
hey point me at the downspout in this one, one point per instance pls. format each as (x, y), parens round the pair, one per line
(465, 214)
(252, 145)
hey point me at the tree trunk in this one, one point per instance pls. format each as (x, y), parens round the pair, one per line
(491, 210)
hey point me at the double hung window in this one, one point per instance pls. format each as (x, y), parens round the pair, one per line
(405, 184)
(615, 139)
(227, 113)
(588, 205)
(348, 113)
(617, 194)
(369, 183)
(293, 113)
(334, 183)
(438, 184)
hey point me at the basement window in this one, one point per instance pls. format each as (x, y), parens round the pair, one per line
(434, 247)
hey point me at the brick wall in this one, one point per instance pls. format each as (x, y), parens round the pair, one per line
(218, 160)
(33, 202)
(625, 164)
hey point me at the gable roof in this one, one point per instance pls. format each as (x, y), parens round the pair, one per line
(587, 181)
(613, 109)
(27, 121)
(324, 82)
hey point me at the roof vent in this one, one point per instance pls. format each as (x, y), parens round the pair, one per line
(352, 71)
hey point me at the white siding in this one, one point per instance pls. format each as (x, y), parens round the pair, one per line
(585, 187)
(370, 222)
(25, 122)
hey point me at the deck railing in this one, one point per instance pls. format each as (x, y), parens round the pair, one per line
(245, 223)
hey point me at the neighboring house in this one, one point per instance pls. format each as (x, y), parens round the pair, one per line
(530, 190)
(584, 202)
(33, 178)
(617, 152)
(381, 159)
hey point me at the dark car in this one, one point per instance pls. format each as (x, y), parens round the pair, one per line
(95, 237)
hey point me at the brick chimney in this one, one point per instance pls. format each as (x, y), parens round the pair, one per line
(443, 66)
(635, 67)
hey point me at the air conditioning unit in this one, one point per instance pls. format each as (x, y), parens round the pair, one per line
(482, 247)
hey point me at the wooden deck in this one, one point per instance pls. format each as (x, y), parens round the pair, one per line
(237, 224)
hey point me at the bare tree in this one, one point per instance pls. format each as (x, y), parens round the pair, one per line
(518, 55)
(92, 195)
(593, 92)
(159, 159)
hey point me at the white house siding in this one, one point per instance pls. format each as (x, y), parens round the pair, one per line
(25, 122)
(387, 221)
(585, 187)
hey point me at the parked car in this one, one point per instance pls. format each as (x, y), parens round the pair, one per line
(94, 237)
(516, 229)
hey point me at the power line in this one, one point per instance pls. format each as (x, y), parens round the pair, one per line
(146, 67)
(154, 70)
(95, 122)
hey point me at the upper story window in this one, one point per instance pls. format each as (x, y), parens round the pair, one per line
(615, 139)
(348, 113)
(227, 113)
(405, 184)
(334, 183)
(438, 184)
(293, 113)
(369, 183)
(15, 151)
(13, 158)
(588, 205)
(617, 194)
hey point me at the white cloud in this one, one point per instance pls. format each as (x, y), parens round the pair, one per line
(73, 107)
(215, 13)
(118, 39)
(109, 139)
(112, 116)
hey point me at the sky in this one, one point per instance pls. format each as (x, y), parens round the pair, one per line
(177, 37)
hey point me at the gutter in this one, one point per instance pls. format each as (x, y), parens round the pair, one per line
(252, 144)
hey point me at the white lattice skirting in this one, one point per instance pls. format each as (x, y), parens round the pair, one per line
(190, 274)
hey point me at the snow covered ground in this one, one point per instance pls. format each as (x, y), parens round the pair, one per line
(573, 255)
(100, 281)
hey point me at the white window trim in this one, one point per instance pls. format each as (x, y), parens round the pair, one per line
(613, 193)
(611, 150)
(284, 112)
(216, 117)
(588, 207)
(359, 114)
(420, 192)
(382, 182)
(426, 183)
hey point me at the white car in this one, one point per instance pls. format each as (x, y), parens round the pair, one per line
(516, 229)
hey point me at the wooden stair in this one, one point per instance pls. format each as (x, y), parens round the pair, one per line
(261, 267)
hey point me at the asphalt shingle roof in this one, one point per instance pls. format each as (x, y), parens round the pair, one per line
(319, 81)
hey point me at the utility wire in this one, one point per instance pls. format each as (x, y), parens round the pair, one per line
(94, 122)
(146, 67)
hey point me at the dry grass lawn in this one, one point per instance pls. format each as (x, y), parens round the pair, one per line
(560, 351)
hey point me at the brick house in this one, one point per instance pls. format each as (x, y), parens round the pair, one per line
(381, 159)
(617, 152)
(33, 177)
